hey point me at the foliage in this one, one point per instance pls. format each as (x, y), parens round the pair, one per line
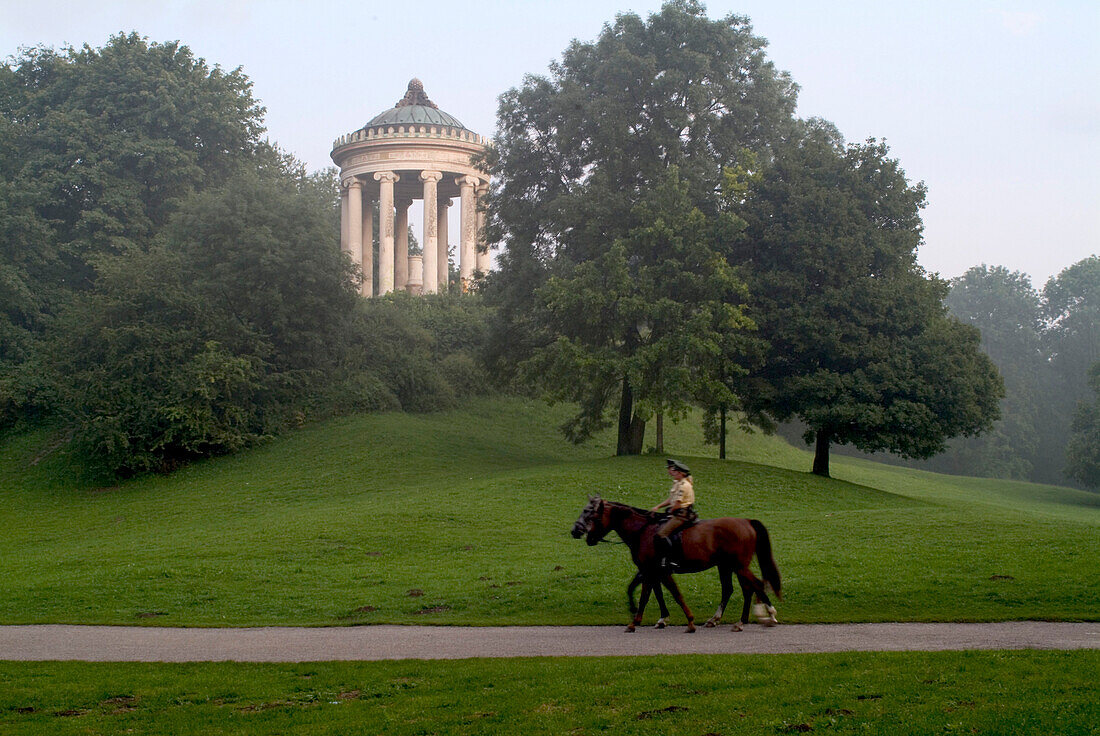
(202, 345)
(426, 350)
(1072, 341)
(261, 253)
(1008, 311)
(1083, 450)
(170, 284)
(860, 346)
(1042, 344)
(97, 149)
(241, 322)
(607, 175)
(647, 317)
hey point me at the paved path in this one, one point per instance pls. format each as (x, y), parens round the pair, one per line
(283, 644)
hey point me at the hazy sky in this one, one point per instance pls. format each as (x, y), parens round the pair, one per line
(995, 105)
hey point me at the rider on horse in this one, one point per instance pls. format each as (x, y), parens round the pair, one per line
(680, 504)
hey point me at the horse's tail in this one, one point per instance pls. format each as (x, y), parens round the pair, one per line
(764, 556)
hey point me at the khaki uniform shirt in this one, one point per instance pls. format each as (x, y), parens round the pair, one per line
(682, 492)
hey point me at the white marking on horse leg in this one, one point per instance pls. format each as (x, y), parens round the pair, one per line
(661, 623)
(716, 618)
(737, 627)
(771, 620)
(759, 611)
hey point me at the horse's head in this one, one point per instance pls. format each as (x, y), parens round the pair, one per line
(593, 522)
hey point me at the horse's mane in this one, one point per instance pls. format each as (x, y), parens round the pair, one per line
(642, 512)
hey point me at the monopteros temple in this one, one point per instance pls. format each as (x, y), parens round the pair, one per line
(414, 151)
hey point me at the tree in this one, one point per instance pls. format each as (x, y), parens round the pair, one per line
(1072, 341)
(97, 149)
(212, 339)
(1008, 311)
(1083, 449)
(105, 142)
(860, 346)
(642, 322)
(607, 181)
(1072, 300)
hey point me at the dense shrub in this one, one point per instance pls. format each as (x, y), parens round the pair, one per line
(215, 338)
(427, 350)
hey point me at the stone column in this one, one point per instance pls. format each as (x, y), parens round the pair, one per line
(431, 231)
(444, 246)
(401, 255)
(344, 219)
(355, 221)
(468, 229)
(385, 231)
(415, 284)
(368, 247)
(484, 259)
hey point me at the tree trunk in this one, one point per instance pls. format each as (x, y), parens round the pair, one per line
(637, 435)
(722, 436)
(631, 426)
(626, 411)
(660, 434)
(821, 453)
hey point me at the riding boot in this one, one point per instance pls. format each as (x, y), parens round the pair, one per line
(664, 547)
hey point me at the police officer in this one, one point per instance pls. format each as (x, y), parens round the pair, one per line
(681, 507)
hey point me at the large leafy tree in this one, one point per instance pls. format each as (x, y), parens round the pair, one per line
(607, 202)
(211, 339)
(861, 348)
(642, 322)
(1072, 341)
(1072, 302)
(97, 149)
(1083, 449)
(1008, 311)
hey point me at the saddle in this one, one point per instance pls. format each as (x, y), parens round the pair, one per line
(675, 549)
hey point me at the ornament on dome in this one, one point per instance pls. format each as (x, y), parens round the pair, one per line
(415, 96)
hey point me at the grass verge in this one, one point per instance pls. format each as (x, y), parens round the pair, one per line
(1025, 692)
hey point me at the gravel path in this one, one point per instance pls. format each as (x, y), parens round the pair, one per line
(284, 644)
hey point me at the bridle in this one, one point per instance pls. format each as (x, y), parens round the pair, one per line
(583, 525)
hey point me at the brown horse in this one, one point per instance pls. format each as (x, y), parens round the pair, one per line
(727, 543)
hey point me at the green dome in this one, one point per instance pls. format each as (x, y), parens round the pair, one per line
(415, 108)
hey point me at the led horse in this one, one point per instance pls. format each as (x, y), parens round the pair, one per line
(728, 544)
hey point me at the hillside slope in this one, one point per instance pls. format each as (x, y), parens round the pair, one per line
(463, 517)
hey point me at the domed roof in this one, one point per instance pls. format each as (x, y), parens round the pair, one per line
(415, 107)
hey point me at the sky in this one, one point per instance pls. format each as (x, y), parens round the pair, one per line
(993, 104)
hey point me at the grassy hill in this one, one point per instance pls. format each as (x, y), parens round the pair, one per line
(463, 517)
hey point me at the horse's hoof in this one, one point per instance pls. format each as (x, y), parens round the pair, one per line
(710, 624)
(737, 627)
(690, 629)
(629, 630)
(660, 624)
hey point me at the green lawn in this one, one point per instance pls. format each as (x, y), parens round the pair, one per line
(463, 518)
(891, 694)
